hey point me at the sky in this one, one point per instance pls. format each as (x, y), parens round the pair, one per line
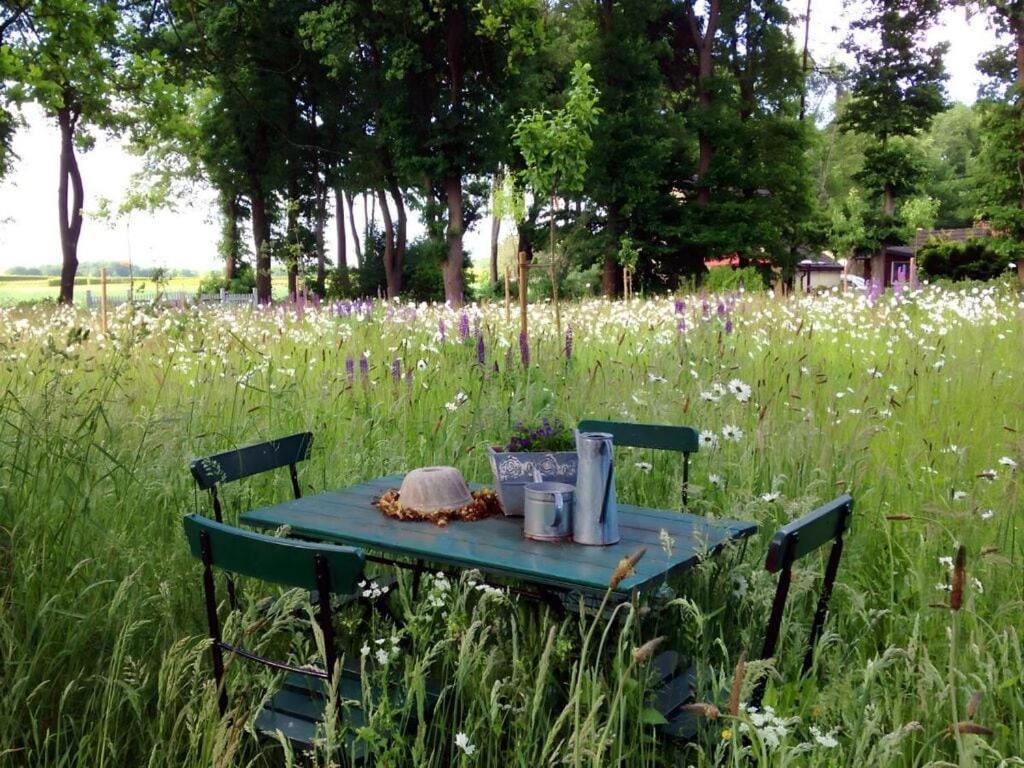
(186, 237)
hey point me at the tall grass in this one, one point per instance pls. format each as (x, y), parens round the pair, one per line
(906, 403)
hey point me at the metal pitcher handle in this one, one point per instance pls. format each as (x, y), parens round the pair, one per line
(607, 490)
(558, 505)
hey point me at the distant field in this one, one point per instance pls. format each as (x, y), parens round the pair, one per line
(15, 289)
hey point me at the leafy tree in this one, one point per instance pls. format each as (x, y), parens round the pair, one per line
(999, 173)
(555, 145)
(897, 88)
(12, 20)
(68, 57)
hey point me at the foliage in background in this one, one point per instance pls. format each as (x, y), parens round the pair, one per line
(982, 258)
(724, 279)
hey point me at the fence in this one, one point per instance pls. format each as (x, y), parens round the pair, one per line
(178, 298)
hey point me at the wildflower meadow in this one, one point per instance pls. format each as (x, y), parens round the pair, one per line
(909, 401)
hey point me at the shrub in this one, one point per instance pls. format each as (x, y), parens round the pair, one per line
(244, 281)
(974, 259)
(722, 279)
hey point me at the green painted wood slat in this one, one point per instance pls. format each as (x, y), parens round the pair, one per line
(811, 531)
(496, 545)
(657, 436)
(281, 561)
(244, 462)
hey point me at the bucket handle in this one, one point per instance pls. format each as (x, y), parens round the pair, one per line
(558, 505)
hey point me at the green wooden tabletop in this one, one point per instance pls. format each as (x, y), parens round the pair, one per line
(496, 545)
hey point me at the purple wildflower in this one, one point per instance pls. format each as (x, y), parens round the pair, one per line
(396, 370)
(728, 325)
(408, 380)
(721, 309)
(364, 367)
(681, 325)
(680, 306)
(442, 329)
(463, 326)
(350, 368)
(524, 349)
(568, 343)
(480, 352)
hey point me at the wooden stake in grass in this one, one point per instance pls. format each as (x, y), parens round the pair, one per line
(956, 597)
(103, 300)
(737, 684)
(523, 267)
(508, 295)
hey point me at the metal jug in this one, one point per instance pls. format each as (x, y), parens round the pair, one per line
(547, 511)
(595, 518)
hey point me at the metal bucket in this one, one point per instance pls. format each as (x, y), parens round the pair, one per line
(547, 511)
(595, 517)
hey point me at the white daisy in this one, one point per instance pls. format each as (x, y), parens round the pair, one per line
(463, 743)
(708, 439)
(732, 433)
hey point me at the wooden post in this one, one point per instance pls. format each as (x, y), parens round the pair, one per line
(508, 294)
(523, 330)
(554, 295)
(625, 284)
(103, 299)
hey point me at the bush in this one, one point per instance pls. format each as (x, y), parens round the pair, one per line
(724, 279)
(421, 270)
(244, 281)
(974, 259)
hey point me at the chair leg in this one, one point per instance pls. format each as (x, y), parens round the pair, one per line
(831, 569)
(213, 622)
(686, 480)
(771, 637)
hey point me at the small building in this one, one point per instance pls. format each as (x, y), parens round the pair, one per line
(817, 272)
(895, 263)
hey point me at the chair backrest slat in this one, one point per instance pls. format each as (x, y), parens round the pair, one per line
(286, 562)
(234, 465)
(657, 436)
(813, 530)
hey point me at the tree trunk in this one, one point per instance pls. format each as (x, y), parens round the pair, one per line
(525, 243)
(495, 231)
(355, 232)
(611, 272)
(705, 69)
(321, 247)
(889, 201)
(400, 229)
(392, 275)
(294, 241)
(231, 243)
(452, 265)
(339, 226)
(69, 218)
(610, 275)
(455, 32)
(261, 241)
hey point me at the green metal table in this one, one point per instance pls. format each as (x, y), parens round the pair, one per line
(496, 545)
